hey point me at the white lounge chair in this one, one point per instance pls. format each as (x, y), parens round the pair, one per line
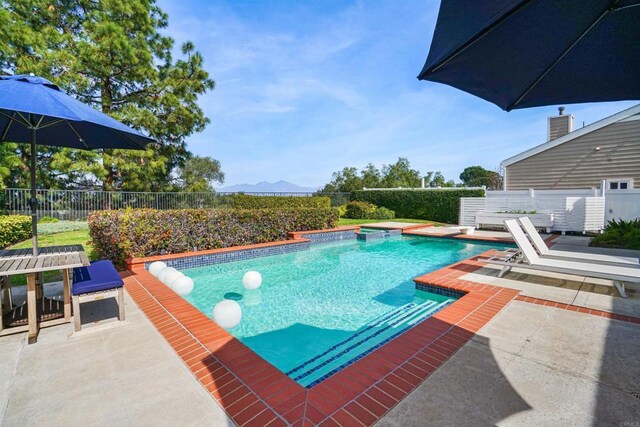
(545, 252)
(618, 274)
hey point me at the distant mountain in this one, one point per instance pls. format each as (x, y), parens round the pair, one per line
(268, 187)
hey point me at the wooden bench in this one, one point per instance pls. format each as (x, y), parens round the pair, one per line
(495, 219)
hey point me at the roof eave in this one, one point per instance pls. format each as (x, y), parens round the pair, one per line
(572, 135)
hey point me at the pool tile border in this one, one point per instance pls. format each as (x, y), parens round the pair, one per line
(134, 264)
(253, 392)
(309, 233)
(202, 260)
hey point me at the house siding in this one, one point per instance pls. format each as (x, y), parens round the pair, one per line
(577, 164)
(560, 126)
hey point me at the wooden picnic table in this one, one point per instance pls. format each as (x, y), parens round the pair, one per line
(22, 261)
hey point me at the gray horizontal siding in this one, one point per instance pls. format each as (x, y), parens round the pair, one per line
(559, 126)
(577, 164)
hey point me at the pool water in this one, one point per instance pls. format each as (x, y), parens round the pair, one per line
(371, 230)
(321, 309)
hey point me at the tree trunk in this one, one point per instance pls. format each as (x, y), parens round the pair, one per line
(106, 102)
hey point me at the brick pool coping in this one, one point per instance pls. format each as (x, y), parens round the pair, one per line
(579, 309)
(253, 392)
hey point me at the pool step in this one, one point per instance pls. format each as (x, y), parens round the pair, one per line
(368, 338)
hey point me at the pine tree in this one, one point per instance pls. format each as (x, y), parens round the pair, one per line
(111, 55)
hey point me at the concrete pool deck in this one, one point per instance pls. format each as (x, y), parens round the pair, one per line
(126, 375)
(541, 365)
(533, 365)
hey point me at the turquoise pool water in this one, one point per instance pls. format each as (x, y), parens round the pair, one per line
(371, 230)
(321, 309)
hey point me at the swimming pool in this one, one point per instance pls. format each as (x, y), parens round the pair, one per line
(321, 309)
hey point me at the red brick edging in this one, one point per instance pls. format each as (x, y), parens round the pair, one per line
(579, 309)
(253, 392)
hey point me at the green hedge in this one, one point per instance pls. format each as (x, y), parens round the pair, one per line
(134, 233)
(243, 201)
(435, 205)
(13, 229)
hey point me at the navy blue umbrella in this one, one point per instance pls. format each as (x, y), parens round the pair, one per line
(528, 53)
(34, 110)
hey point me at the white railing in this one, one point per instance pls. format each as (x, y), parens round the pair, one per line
(426, 188)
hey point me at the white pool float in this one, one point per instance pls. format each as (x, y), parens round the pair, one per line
(227, 313)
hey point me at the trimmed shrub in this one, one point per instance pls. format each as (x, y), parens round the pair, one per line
(359, 210)
(382, 213)
(13, 229)
(134, 233)
(244, 201)
(435, 205)
(619, 234)
(364, 210)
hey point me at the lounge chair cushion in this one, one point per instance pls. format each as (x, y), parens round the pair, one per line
(99, 276)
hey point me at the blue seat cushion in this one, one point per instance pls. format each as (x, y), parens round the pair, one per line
(99, 276)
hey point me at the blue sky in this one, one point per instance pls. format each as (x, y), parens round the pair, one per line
(306, 88)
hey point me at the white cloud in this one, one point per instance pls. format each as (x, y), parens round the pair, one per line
(304, 89)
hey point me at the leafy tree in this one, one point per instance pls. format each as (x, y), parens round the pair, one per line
(400, 174)
(370, 176)
(9, 160)
(439, 180)
(477, 176)
(346, 180)
(198, 174)
(111, 55)
(395, 175)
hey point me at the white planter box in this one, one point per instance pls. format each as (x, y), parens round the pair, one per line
(539, 220)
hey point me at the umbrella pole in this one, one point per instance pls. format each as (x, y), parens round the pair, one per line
(34, 199)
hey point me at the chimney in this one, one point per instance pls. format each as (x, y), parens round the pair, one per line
(559, 125)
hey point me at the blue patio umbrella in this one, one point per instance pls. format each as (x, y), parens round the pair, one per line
(528, 53)
(33, 110)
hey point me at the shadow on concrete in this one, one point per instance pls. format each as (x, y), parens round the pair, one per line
(442, 399)
(531, 277)
(98, 311)
(617, 400)
(469, 389)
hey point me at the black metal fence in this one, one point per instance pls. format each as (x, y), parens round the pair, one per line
(76, 204)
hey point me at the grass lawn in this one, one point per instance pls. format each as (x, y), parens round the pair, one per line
(76, 237)
(348, 221)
